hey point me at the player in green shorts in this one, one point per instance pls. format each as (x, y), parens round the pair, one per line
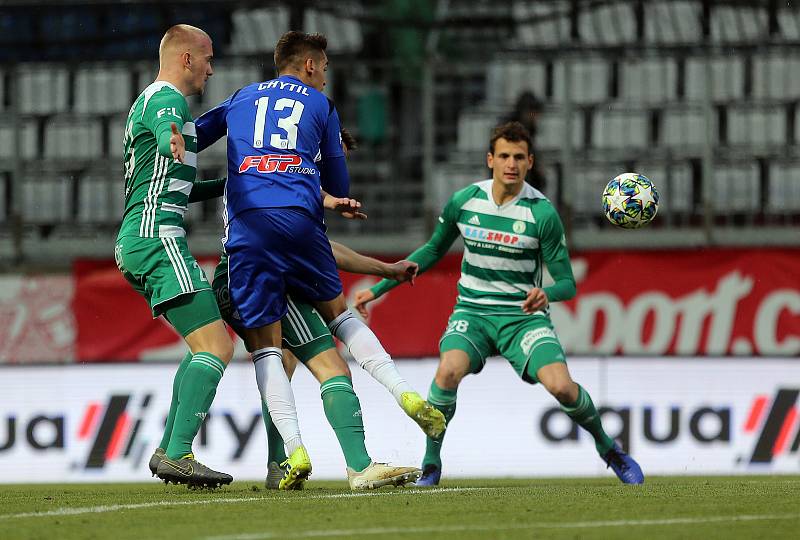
(151, 250)
(308, 340)
(510, 231)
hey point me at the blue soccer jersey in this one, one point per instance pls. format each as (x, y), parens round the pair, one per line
(280, 134)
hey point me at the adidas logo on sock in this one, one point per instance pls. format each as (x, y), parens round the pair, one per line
(474, 220)
(201, 415)
(357, 413)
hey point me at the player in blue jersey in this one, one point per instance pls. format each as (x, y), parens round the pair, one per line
(284, 146)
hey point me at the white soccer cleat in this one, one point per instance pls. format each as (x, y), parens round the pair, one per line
(382, 474)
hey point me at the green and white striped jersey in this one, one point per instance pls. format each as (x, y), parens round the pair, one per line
(157, 188)
(504, 246)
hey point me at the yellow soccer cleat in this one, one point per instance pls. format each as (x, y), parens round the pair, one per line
(381, 474)
(429, 418)
(297, 470)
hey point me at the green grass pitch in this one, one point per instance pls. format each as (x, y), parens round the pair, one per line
(665, 507)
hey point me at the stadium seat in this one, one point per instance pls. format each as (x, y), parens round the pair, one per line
(474, 130)
(620, 129)
(28, 140)
(612, 24)
(73, 138)
(789, 23)
(736, 188)
(649, 80)
(541, 24)
(552, 125)
(589, 83)
(684, 128)
(672, 22)
(101, 199)
(258, 30)
(102, 90)
(727, 74)
(46, 200)
(776, 77)
(784, 187)
(587, 191)
(738, 24)
(43, 88)
(344, 34)
(756, 126)
(506, 80)
(228, 78)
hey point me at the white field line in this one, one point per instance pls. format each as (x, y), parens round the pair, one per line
(79, 511)
(496, 528)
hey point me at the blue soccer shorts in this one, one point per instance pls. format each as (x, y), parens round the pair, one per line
(275, 250)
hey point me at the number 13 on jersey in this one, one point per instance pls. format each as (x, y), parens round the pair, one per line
(288, 124)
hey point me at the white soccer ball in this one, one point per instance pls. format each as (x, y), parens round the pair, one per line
(630, 201)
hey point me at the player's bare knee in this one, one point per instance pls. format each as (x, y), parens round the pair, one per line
(222, 349)
(565, 391)
(448, 376)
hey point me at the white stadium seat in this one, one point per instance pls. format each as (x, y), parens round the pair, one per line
(737, 24)
(43, 88)
(727, 78)
(344, 34)
(538, 25)
(682, 128)
(784, 187)
(588, 189)
(612, 24)
(620, 129)
(73, 138)
(552, 125)
(736, 188)
(776, 77)
(101, 199)
(649, 80)
(28, 140)
(102, 90)
(672, 22)
(506, 80)
(46, 200)
(589, 81)
(258, 30)
(474, 130)
(789, 23)
(756, 126)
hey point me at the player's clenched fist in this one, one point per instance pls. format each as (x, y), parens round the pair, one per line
(402, 271)
(363, 297)
(536, 301)
(176, 143)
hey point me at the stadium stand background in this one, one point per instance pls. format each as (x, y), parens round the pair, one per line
(702, 96)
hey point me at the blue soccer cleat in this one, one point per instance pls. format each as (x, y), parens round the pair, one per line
(431, 474)
(623, 465)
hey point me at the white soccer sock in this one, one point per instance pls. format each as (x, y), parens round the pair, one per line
(369, 353)
(276, 391)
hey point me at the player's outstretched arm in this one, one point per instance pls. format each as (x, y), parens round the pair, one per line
(203, 190)
(350, 260)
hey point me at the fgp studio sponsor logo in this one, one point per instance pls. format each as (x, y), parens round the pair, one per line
(658, 425)
(272, 163)
(776, 427)
(112, 430)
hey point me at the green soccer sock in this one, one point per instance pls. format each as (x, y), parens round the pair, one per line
(276, 450)
(197, 391)
(584, 413)
(173, 406)
(444, 400)
(343, 411)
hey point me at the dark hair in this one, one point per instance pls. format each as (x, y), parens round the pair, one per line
(512, 132)
(294, 46)
(348, 140)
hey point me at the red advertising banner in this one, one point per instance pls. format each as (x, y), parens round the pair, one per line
(683, 302)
